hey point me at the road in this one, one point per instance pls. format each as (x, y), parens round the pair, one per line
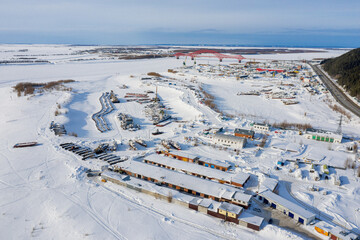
(338, 94)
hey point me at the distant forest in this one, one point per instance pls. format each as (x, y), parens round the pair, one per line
(346, 69)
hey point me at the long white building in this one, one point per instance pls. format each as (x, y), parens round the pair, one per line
(185, 183)
(238, 179)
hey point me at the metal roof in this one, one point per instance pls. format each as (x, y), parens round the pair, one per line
(244, 131)
(229, 137)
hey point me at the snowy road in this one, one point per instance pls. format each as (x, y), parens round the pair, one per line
(337, 93)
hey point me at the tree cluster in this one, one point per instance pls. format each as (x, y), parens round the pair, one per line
(346, 69)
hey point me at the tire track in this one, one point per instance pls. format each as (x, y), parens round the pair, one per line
(156, 212)
(94, 217)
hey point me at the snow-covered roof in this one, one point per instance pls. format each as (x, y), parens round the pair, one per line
(315, 156)
(204, 159)
(242, 197)
(229, 137)
(215, 162)
(261, 124)
(240, 177)
(252, 219)
(287, 204)
(344, 234)
(227, 194)
(195, 201)
(179, 179)
(114, 175)
(206, 202)
(268, 183)
(184, 154)
(324, 226)
(284, 145)
(230, 208)
(323, 133)
(214, 206)
(139, 183)
(244, 131)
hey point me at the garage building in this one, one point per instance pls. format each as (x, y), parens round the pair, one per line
(289, 208)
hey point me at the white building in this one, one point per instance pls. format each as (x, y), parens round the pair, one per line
(323, 136)
(261, 127)
(229, 141)
(287, 207)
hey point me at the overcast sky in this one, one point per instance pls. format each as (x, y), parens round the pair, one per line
(251, 22)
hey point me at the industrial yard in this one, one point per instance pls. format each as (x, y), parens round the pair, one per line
(207, 146)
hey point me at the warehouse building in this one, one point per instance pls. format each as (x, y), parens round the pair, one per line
(229, 141)
(222, 210)
(238, 179)
(188, 157)
(289, 208)
(185, 183)
(323, 136)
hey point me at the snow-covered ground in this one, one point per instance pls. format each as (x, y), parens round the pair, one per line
(45, 193)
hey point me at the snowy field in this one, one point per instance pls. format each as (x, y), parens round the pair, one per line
(45, 193)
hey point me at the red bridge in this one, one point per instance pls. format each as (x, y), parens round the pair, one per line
(215, 54)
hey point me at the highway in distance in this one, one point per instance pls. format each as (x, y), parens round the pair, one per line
(338, 94)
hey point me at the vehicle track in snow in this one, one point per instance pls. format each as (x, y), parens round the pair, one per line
(93, 215)
(156, 212)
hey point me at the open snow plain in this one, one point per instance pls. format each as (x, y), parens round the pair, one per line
(46, 194)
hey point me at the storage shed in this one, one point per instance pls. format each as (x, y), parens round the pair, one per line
(250, 221)
(204, 205)
(194, 203)
(230, 211)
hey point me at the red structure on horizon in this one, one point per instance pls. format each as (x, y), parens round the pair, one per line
(215, 54)
(269, 70)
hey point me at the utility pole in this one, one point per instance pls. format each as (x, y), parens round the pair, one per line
(339, 130)
(156, 94)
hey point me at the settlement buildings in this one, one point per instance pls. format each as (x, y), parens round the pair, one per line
(223, 210)
(237, 180)
(185, 183)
